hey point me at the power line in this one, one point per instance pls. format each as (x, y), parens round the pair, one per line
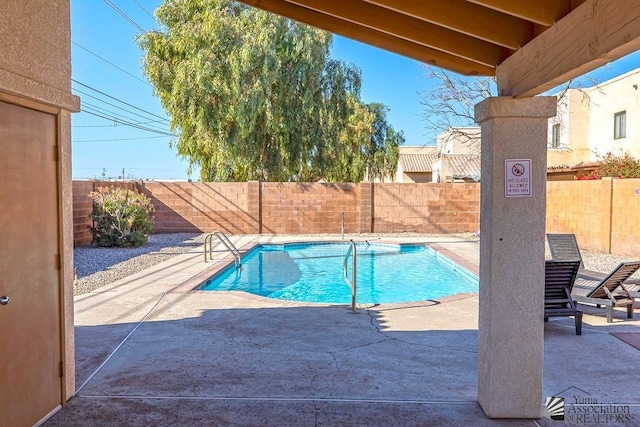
(112, 64)
(118, 139)
(114, 105)
(119, 118)
(124, 15)
(144, 10)
(110, 126)
(115, 119)
(119, 100)
(101, 110)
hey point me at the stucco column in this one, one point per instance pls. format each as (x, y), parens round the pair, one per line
(512, 236)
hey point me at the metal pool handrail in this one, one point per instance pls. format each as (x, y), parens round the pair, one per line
(353, 252)
(225, 241)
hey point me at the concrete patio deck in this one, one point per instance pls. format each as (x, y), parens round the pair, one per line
(149, 352)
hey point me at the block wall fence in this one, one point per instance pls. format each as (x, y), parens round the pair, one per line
(603, 214)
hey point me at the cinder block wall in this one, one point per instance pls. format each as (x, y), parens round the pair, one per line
(603, 214)
(199, 207)
(625, 217)
(582, 208)
(426, 208)
(82, 207)
(298, 208)
(309, 208)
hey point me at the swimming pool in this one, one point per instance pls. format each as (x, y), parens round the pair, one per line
(313, 272)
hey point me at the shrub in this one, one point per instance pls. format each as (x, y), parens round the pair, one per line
(122, 217)
(624, 166)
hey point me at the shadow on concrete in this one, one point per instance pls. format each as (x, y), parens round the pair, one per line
(272, 366)
(190, 364)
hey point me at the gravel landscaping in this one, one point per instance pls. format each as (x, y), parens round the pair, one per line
(97, 267)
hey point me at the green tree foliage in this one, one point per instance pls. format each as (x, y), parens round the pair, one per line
(122, 217)
(255, 96)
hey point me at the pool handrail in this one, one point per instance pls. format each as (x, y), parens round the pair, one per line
(225, 241)
(353, 285)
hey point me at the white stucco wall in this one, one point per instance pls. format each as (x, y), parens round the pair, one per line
(608, 98)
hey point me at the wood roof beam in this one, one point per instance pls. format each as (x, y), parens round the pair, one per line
(597, 32)
(543, 12)
(467, 18)
(409, 28)
(373, 37)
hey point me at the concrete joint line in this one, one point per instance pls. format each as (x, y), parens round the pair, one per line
(284, 399)
(121, 344)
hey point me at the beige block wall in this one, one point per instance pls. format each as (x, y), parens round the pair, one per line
(625, 217)
(582, 208)
(201, 207)
(303, 208)
(426, 208)
(603, 214)
(82, 207)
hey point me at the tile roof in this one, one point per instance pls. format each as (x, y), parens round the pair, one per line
(463, 165)
(417, 162)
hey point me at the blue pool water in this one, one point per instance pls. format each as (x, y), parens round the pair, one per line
(313, 272)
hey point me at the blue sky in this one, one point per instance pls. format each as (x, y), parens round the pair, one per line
(105, 58)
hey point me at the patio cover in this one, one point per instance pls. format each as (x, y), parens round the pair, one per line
(530, 46)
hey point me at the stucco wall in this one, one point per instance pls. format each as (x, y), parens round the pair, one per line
(619, 94)
(573, 117)
(40, 27)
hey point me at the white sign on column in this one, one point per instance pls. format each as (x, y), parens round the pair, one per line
(517, 178)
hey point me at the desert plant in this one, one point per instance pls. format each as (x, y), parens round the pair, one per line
(121, 217)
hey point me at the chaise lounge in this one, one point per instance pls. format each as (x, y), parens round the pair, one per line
(559, 278)
(565, 246)
(601, 292)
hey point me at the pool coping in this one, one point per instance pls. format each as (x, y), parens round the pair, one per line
(191, 285)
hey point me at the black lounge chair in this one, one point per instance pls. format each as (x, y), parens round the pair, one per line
(559, 278)
(601, 292)
(565, 246)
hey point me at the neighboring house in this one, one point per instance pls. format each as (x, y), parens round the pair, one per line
(594, 121)
(415, 164)
(457, 168)
(590, 123)
(456, 158)
(460, 140)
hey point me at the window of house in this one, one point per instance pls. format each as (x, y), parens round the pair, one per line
(555, 136)
(620, 125)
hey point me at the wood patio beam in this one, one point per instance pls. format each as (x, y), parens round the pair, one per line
(408, 28)
(597, 32)
(373, 37)
(486, 24)
(543, 12)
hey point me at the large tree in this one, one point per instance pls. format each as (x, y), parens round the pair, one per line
(255, 96)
